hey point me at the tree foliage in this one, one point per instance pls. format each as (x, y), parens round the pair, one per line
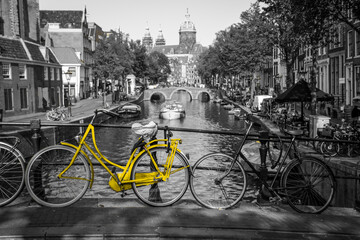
(309, 23)
(117, 56)
(242, 47)
(159, 68)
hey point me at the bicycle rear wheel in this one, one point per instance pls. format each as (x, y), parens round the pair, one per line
(309, 185)
(42, 180)
(214, 185)
(12, 172)
(161, 193)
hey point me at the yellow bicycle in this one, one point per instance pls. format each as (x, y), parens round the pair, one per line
(157, 171)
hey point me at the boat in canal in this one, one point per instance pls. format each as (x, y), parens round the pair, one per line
(232, 111)
(129, 110)
(172, 111)
(228, 107)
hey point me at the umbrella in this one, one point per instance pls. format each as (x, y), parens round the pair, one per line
(300, 92)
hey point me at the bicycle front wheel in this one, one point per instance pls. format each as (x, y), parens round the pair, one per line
(215, 184)
(12, 173)
(42, 180)
(160, 193)
(309, 185)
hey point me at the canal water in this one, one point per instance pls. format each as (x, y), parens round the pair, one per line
(116, 143)
(199, 115)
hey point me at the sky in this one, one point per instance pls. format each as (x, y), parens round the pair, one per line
(134, 16)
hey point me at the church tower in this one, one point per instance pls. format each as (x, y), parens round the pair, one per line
(187, 35)
(147, 40)
(160, 40)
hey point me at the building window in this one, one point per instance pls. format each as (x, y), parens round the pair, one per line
(46, 73)
(357, 80)
(22, 71)
(357, 44)
(350, 44)
(53, 102)
(1, 25)
(8, 95)
(52, 74)
(73, 71)
(58, 74)
(24, 98)
(6, 69)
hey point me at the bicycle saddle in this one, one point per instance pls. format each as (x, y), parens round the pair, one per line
(294, 132)
(148, 130)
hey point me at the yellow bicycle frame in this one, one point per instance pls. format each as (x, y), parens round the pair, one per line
(123, 178)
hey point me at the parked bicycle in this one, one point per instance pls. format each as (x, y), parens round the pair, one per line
(338, 133)
(12, 170)
(157, 171)
(307, 184)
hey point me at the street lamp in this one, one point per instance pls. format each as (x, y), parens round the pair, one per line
(68, 77)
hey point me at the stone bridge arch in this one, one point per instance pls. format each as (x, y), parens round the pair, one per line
(182, 89)
(169, 92)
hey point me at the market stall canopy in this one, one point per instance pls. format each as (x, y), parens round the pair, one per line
(300, 92)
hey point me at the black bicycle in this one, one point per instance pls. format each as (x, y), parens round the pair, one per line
(306, 183)
(12, 170)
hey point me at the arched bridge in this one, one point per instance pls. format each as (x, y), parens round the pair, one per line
(168, 92)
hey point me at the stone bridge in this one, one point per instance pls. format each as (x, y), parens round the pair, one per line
(168, 92)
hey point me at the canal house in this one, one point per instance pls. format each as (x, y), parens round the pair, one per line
(30, 79)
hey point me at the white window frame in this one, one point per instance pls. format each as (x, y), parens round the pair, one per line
(52, 74)
(58, 74)
(357, 35)
(22, 76)
(349, 35)
(46, 73)
(8, 75)
(73, 71)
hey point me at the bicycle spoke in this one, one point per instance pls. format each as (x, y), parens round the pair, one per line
(214, 184)
(309, 185)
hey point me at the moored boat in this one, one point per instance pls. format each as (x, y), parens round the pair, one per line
(228, 106)
(238, 115)
(232, 111)
(129, 110)
(172, 111)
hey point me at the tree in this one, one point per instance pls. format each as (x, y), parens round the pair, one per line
(141, 59)
(242, 47)
(312, 23)
(113, 59)
(159, 68)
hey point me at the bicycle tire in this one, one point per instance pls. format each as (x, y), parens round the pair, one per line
(309, 185)
(42, 180)
(329, 149)
(162, 193)
(12, 173)
(206, 187)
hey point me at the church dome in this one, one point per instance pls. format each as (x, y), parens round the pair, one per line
(187, 26)
(160, 40)
(147, 33)
(147, 39)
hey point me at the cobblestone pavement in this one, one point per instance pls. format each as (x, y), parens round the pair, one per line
(127, 218)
